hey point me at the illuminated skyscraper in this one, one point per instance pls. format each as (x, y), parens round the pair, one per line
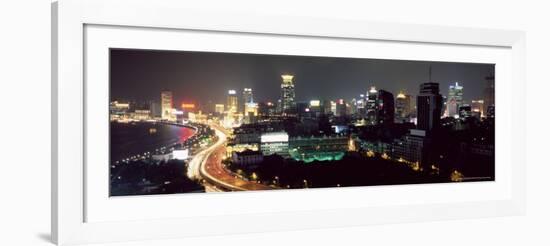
(315, 107)
(287, 94)
(403, 107)
(454, 100)
(247, 97)
(166, 104)
(361, 106)
(333, 107)
(429, 106)
(250, 112)
(232, 101)
(371, 97)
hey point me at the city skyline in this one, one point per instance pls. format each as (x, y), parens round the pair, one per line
(297, 134)
(147, 71)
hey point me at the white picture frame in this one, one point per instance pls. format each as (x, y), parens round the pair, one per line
(71, 199)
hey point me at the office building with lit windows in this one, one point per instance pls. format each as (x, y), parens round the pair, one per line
(287, 94)
(371, 97)
(166, 103)
(454, 99)
(411, 147)
(232, 102)
(247, 97)
(274, 143)
(250, 112)
(403, 107)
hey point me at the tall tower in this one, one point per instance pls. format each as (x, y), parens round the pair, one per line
(287, 94)
(166, 105)
(247, 97)
(429, 105)
(454, 100)
(340, 108)
(403, 107)
(385, 108)
(371, 97)
(361, 106)
(232, 101)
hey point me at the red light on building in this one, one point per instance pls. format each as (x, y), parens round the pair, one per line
(187, 106)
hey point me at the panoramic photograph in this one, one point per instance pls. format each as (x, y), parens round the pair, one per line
(196, 122)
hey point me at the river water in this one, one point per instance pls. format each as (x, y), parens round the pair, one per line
(129, 139)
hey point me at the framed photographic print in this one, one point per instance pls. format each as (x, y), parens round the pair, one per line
(169, 124)
(250, 127)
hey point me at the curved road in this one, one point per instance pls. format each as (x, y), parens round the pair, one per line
(207, 165)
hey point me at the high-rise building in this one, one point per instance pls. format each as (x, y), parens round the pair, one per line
(403, 107)
(287, 94)
(219, 108)
(326, 107)
(478, 107)
(429, 106)
(361, 103)
(315, 107)
(411, 147)
(166, 104)
(250, 112)
(340, 108)
(454, 100)
(385, 110)
(371, 97)
(247, 97)
(232, 102)
(333, 107)
(489, 94)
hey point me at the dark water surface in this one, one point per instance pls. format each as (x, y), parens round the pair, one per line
(128, 139)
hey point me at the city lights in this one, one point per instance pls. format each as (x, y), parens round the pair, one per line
(314, 103)
(248, 129)
(187, 105)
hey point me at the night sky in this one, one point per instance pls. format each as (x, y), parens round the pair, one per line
(200, 77)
